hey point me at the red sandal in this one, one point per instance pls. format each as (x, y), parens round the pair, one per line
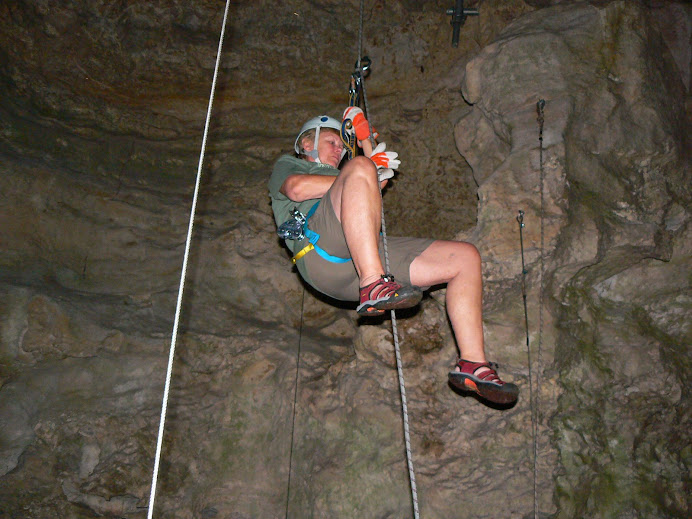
(387, 294)
(482, 378)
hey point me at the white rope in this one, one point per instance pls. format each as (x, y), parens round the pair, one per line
(404, 409)
(395, 333)
(181, 287)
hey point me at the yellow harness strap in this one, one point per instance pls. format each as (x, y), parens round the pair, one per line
(302, 252)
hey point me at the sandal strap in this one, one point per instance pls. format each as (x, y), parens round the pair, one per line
(383, 288)
(489, 375)
(488, 370)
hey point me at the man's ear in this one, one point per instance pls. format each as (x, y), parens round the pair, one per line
(308, 144)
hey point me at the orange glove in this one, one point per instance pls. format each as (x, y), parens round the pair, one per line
(359, 122)
(384, 159)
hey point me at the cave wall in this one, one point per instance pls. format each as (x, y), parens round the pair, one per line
(102, 108)
(607, 241)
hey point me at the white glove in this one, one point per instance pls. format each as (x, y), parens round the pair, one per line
(384, 174)
(384, 159)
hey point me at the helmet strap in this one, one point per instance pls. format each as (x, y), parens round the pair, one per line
(315, 153)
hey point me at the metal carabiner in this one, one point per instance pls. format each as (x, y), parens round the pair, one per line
(348, 138)
(362, 70)
(365, 64)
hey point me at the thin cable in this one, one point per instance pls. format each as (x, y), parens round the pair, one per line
(360, 48)
(534, 428)
(295, 399)
(520, 219)
(181, 286)
(540, 105)
(395, 333)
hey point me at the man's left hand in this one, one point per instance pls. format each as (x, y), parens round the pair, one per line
(384, 159)
(384, 174)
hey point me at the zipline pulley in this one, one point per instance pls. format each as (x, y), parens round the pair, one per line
(459, 14)
(362, 70)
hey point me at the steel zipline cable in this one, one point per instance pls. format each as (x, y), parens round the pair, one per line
(181, 287)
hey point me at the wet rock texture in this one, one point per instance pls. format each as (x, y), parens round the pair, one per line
(282, 403)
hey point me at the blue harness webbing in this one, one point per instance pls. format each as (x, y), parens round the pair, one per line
(313, 237)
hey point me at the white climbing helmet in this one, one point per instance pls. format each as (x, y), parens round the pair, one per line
(322, 121)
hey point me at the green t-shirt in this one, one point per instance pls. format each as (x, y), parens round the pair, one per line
(282, 206)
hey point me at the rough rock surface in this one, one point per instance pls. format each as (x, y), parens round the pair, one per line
(605, 216)
(102, 107)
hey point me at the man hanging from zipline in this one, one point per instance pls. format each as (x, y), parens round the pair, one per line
(331, 218)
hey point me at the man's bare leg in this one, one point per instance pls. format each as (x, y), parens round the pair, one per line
(357, 202)
(459, 265)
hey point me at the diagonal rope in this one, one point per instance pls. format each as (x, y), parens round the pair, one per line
(395, 333)
(181, 286)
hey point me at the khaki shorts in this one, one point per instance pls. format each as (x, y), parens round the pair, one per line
(340, 280)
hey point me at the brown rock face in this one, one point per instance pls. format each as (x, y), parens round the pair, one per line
(282, 403)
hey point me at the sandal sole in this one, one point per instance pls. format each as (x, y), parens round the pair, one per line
(505, 394)
(402, 301)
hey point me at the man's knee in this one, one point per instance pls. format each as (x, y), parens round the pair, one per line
(473, 252)
(463, 254)
(359, 166)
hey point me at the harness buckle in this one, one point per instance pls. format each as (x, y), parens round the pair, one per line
(302, 252)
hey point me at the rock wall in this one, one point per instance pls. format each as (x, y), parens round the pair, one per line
(282, 403)
(605, 217)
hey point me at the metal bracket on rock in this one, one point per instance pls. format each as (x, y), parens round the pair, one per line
(459, 15)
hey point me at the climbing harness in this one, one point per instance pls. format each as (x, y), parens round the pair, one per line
(534, 398)
(183, 273)
(459, 14)
(313, 238)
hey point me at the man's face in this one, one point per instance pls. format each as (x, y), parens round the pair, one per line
(330, 147)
